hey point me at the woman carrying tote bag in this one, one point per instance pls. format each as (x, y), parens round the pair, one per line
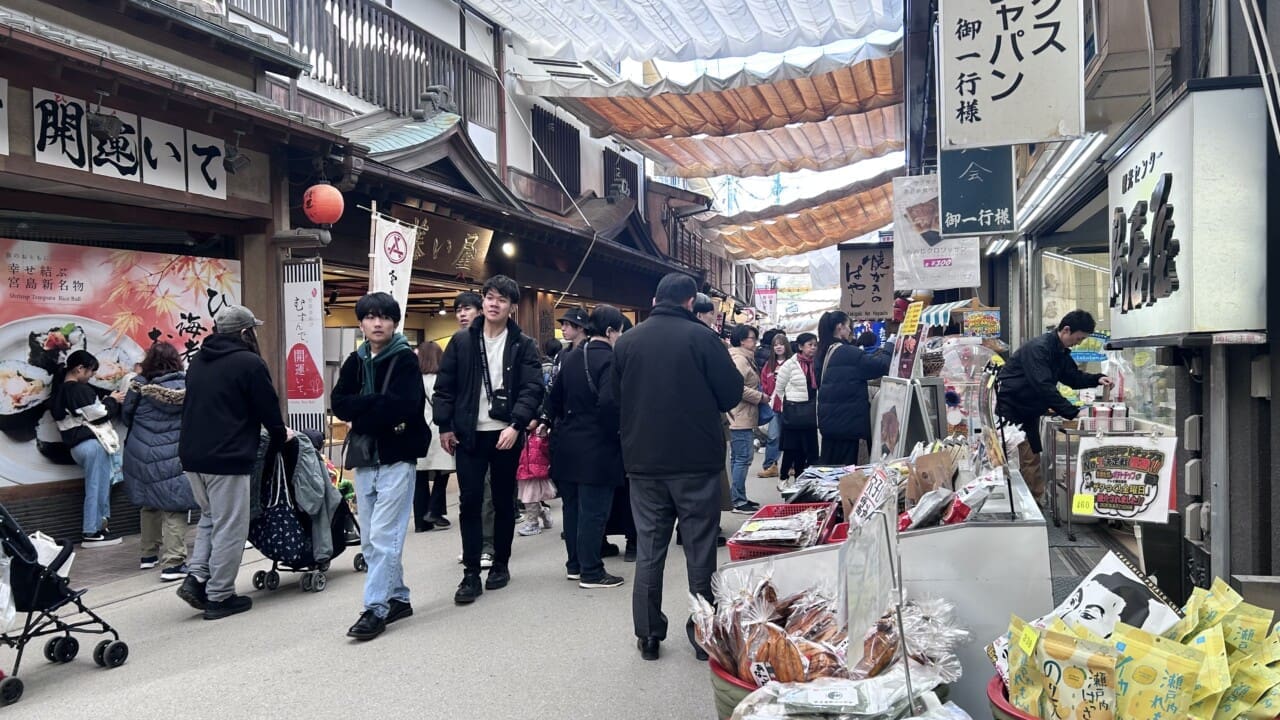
(797, 387)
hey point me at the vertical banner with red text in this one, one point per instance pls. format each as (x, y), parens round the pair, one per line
(391, 258)
(303, 307)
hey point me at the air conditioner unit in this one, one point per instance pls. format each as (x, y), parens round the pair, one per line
(1117, 75)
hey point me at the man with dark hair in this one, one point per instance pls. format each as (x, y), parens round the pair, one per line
(1029, 387)
(379, 391)
(487, 393)
(466, 307)
(676, 381)
(230, 398)
(744, 418)
(705, 310)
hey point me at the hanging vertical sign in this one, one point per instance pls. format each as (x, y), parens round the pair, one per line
(866, 277)
(767, 301)
(4, 116)
(922, 258)
(1011, 72)
(391, 257)
(976, 191)
(303, 295)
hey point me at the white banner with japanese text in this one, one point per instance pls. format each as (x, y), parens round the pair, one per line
(391, 258)
(1124, 478)
(4, 116)
(1011, 72)
(922, 258)
(866, 282)
(303, 308)
(767, 302)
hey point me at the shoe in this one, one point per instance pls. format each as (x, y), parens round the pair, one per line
(629, 555)
(174, 572)
(218, 609)
(648, 647)
(604, 581)
(769, 472)
(425, 527)
(486, 560)
(193, 592)
(572, 576)
(438, 522)
(148, 562)
(468, 590)
(545, 516)
(721, 541)
(698, 652)
(519, 516)
(100, 539)
(530, 528)
(608, 550)
(746, 508)
(498, 578)
(368, 627)
(398, 610)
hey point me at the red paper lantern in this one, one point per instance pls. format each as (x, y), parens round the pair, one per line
(322, 204)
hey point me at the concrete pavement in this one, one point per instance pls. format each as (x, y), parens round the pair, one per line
(540, 648)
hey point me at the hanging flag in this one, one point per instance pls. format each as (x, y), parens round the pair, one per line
(391, 258)
(304, 335)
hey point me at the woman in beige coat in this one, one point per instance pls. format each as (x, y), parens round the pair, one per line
(744, 418)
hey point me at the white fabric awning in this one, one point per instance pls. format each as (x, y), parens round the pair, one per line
(940, 315)
(613, 30)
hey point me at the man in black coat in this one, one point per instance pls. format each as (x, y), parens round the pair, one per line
(487, 394)
(379, 391)
(1029, 387)
(675, 381)
(844, 401)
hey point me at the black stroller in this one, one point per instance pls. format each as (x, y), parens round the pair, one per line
(344, 529)
(40, 592)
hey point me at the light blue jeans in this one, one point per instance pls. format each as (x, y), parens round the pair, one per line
(772, 449)
(740, 448)
(384, 497)
(97, 466)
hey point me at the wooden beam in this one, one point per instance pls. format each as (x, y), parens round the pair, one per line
(114, 212)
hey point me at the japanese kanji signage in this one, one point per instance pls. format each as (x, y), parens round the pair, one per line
(1012, 71)
(1188, 220)
(391, 258)
(1125, 478)
(454, 248)
(144, 150)
(976, 190)
(866, 281)
(55, 299)
(922, 258)
(766, 301)
(303, 341)
(4, 116)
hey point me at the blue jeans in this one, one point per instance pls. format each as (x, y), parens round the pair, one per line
(772, 450)
(97, 464)
(740, 448)
(384, 496)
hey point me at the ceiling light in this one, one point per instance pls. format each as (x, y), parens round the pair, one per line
(509, 249)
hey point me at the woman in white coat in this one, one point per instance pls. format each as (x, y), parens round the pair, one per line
(797, 388)
(432, 480)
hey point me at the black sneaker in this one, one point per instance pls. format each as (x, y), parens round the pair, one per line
(368, 627)
(439, 522)
(629, 555)
(469, 589)
(148, 562)
(604, 581)
(100, 539)
(608, 550)
(746, 508)
(498, 578)
(218, 609)
(398, 610)
(174, 572)
(193, 593)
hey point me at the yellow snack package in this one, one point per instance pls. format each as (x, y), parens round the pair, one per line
(1220, 601)
(1248, 684)
(1186, 627)
(1245, 627)
(1215, 675)
(1025, 684)
(1155, 677)
(1204, 709)
(1079, 677)
(1267, 707)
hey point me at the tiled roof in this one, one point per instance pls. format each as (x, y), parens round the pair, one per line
(390, 133)
(244, 32)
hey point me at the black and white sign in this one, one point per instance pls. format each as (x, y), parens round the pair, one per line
(164, 160)
(205, 172)
(118, 156)
(4, 116)
(977, 191)
(1012, 71)
(59, 127)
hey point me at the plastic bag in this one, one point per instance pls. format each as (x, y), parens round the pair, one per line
(47, 551)
(1245, 627)
(1023, 681)
(8, 611)
(835, 699)
(1079, 677)
(1150, 668)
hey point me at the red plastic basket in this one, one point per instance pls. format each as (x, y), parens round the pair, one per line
(1001, 708)
(750, 551)
(730, 677)
(839, 534)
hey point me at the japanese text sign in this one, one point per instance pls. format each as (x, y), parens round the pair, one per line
(922, 258)
(866, 282)
(4, 116)
(1125, 478)
(455, 248)
(303, 341)
(391, 258)
(1011, 71)
(982, 323)
(977, 191)
(767, 301)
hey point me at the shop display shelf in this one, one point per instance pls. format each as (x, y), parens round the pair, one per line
(750, 551)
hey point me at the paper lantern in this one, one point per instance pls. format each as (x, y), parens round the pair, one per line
(322, 204)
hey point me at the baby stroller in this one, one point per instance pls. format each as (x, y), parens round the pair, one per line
(40, 592)
(286, 534)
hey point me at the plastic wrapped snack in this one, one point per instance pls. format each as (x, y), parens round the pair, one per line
(1214, 676)
(835, 699)
(931, 629)
(878, 650)
(1220, 601)
(1024, 683)
(1078, 677)
(1186, 627)
(928, 511)
(1245, 627)
(1248, 684)
(799, 530)
(1266, 708)
(1155, 676)
(965, 504)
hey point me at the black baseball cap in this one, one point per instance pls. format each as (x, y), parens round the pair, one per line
(576, 316)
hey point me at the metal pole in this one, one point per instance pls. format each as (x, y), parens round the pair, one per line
(1219, 467)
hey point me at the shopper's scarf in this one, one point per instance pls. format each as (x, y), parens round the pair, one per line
(370, 362)
(806, 365)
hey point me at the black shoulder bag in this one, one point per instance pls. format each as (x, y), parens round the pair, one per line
(360, 450)
(500, 399)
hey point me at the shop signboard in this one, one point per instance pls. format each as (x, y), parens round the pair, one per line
(163, 156)
(923, 259)
(4, 116)
(866, 282)
(981, 323)
(976, 191)
(1124, 478)
(1188, 220)
(303, 291)
(766, 301)
(1011, 72)
(454, 248)
(1092, 349)
(391, 257)
(55, 299)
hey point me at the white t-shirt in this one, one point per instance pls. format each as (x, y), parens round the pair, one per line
(493, 348)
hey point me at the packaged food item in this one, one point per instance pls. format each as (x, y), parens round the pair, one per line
(1267, 707)
(1085, 633)
(1266, 653)
(1078, 677)
(1245, 627)
(928, 511)
(1155, 677)
(966, 504)
(1186, 627)
(1248, 684)
(1025, 687)
(1220, 601)
(1214, 675)
(878, 650)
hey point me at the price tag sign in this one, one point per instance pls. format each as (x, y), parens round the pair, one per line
(1027, 641)
(911, 320)
(1082, 504)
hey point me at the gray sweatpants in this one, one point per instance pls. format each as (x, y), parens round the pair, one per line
(222, 532)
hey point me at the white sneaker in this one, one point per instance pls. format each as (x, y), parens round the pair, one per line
(486, 561)
(530, 528)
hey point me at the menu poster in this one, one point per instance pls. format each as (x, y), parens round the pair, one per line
(56, 299)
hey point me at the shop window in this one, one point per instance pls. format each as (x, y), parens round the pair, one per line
(561, 143)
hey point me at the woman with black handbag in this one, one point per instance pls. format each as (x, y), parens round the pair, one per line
(798, 388)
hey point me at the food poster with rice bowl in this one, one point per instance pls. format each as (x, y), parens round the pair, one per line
(1124, 478)
(56, 299)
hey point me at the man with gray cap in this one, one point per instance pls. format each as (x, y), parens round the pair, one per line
(230, 397)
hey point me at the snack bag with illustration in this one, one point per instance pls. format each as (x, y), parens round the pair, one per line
(1245, 627)
(1248, 684)
(1267, 707)
(1214, 675)
(1220, 601)
(1265, 653)
(1155, 677)
(1085, 633)
(1186, 627)
(1079, 677)
(1025, 686)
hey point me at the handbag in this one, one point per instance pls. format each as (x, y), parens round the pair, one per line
(278, 533)
(358, 449)
(799, 415)
(766, 414)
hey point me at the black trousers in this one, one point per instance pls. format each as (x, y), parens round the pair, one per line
(799, 450)
(429, 489)
(841, 451)
(473, 463)
(657, 504)
(621, 520)
(586, 509)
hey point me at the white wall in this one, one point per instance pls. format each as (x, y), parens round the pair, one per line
(438, 17)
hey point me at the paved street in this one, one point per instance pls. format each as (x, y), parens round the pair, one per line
(540, 648)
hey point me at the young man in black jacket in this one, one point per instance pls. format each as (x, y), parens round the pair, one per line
(676, 381)
(1029, 387)
(379, 391)
(230, 398)
(487, 394)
